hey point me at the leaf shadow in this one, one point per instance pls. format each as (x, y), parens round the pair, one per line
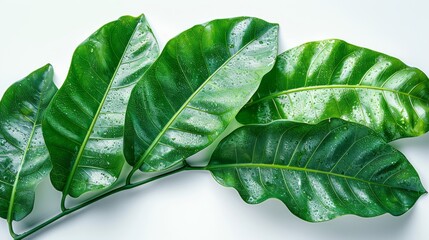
(345, 227)
(273, 212)
(104, 209)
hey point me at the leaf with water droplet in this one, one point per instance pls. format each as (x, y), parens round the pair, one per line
(331, 78)
(336, 175)
(24, 158)
(83, 126)
(194, 90)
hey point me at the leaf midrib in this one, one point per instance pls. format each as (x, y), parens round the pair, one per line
(94, 120)
(336, 86)
(301, 169)
(179, 111)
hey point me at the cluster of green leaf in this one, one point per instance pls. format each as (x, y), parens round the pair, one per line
(317, 120)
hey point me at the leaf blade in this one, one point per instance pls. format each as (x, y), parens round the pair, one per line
(24, 158)
(84, 125)
(334, 79)
(187, 114)
(319, 171)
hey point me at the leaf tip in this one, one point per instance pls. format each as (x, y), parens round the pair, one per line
(47, 70)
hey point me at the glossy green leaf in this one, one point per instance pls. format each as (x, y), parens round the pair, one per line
(333, 79)
(319, 171)
(195, 88)
(24, 158)
(83, 126)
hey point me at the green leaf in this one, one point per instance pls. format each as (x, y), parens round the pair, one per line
(24, 158)
(83, 126)
(319, 171)
(195, 88)
(333, 79)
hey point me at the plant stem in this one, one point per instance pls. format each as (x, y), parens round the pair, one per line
(12, 233)
(130, 175)
(188, 167)
(84, 204)
(63, 202)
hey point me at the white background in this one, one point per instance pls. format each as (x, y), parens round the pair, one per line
(191, 205)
